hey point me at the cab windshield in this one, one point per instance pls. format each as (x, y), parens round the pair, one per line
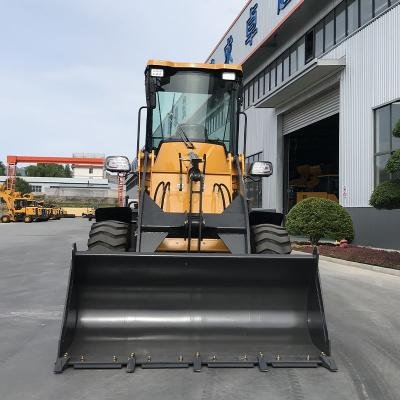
(19, 204)
(195, 106)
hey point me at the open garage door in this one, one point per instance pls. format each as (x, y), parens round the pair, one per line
(322, 107)
(312, 162)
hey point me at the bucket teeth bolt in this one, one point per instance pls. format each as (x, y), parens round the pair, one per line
(149, 358)
(66, 355)
(278, 357)
(180, 358)
(115, 359)
(308, 357)
(214, 358)
(82, 358)
(197, 355)
(132, 355)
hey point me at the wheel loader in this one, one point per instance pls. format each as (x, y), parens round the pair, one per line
(194, 277)
(20, 207)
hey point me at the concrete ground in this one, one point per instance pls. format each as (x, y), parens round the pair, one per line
(362, 307)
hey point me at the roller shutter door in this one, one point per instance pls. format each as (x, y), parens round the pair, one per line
(322, 107)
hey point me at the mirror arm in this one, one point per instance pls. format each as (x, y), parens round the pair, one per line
(252, 179)
(138, 128)
(245, 132)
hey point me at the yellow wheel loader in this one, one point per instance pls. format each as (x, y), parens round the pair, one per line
(193, 277)
(20, 207)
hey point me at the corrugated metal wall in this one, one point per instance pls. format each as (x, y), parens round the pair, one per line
(370, 79)
(262, 136)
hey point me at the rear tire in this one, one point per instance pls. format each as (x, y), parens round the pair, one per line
(28, 219)
(272, 239)
(110, 237)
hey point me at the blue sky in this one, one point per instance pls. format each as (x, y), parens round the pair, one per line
(71, 71)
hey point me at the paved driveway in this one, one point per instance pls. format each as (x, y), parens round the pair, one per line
(362, 307)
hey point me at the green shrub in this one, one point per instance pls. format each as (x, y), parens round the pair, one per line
(393, 164)
(396, 130)
(320, 218)
(386, 195)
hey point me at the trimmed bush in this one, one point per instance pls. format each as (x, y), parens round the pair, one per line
(386, 195)
(393, 164)
(396, 130)
(320, 218)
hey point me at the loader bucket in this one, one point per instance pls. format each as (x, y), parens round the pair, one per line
(181, 310)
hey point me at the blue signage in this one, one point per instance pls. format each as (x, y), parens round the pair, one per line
(251, 25)
(282, 4)
(228, 50)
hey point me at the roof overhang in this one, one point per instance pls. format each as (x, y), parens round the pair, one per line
(314, 74)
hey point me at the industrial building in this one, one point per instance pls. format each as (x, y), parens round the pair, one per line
(69, 187)
(322, 95)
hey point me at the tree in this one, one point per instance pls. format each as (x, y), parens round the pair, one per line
(2, 168)
(320, 218)
(22, 186)
(49, 170)
(68, 172)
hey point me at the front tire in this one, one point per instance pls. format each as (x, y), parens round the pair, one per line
(270, 239)
(28, 219)
(110, 237)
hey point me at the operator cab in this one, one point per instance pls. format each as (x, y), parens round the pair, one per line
(193, 103)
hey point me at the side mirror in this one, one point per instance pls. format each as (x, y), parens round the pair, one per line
(261, 169)
(118, 164)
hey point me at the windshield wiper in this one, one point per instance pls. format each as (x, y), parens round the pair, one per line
(181, 133)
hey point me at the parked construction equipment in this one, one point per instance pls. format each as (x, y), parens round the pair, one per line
(193, 277)
(21, 207)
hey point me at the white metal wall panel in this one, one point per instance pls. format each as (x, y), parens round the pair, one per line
(316, 110)
(262, 136)
(371, 79)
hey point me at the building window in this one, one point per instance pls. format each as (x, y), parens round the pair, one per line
(36, 189)
(261, 85)
(386, 119)
(319, 39)
(256, 88)
(379, 6)
(352, 16)
(301, 53)
(246, 97)
(340, 22)
(309, 46)
(267, 81)
(279, 71)
(365, 11)
(286, 65)
(254, 189)
(293, 60)
(273, 76)
(329, 31)
(90, 170)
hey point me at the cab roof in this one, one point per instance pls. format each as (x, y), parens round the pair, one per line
(185, 65)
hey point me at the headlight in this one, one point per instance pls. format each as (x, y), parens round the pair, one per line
(228, 76)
